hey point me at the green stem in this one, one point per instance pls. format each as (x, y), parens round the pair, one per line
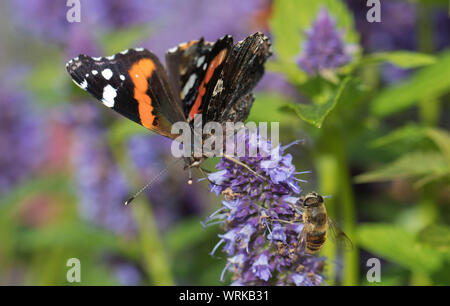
(333, 144)
(327, 173)
(155, 258)
(156, 261)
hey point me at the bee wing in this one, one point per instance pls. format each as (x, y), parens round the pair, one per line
(339, 237)
(302, 239)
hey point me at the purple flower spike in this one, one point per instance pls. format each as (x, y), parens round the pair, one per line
(261, 267)
(22, 139)
(261, 220)
(324, 48)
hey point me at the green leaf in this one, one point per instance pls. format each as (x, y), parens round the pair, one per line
(48, 81)
(289, 23)
(412, 132)
(414, 164)
(187, 234)
(399, 246)
(68, 235)
(268, 108)
(436, 235)
(117, 41)
(122, 129)
(403, 59)
(316, 113)
(415, 133)
(430, 82)
(442, 140)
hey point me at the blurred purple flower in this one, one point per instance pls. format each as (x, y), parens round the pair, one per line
(174, 21)
(42, 18)
(120, 14)
(396, 31)
(324, 48)
(261, 221)
(127, 274)
(211, 19)
(172, 198)
(81, 41)
(22, 138)
(102, 188)
(441, 23)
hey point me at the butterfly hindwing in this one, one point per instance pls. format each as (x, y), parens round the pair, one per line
(186, 66)
(231, 97)
(193, 68)
(133, 83)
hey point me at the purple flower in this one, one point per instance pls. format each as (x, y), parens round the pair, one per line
(21, 139)
(102, 188)
(261, 220)
(127, 274)
(119, 14)
(211, 19)
(261, 268)
(324, 48)
(42, 18)
(396, 31)
(81, 41)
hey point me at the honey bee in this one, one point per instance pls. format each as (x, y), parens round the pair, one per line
(315, 225)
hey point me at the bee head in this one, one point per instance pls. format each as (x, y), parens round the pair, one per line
(312, 199)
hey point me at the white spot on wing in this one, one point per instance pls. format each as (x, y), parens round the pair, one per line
(111, 57)
(218, 88)
(124, 52)
(200, 61)
(109, 94)
(107, 73)
(205, 65)
(139, 49)
(122, 77)
(94, 72)
(83, 85)
(188, 85)
(96, 58)
(173, 50)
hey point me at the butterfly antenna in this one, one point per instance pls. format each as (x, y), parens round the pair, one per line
(150, 183)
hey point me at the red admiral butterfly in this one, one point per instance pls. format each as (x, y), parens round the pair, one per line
(212, 79)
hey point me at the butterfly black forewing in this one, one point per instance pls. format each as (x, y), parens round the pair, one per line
(133, 83)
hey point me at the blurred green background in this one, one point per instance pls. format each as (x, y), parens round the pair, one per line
(375, 131)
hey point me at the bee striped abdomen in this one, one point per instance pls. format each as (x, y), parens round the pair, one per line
(315, 241)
